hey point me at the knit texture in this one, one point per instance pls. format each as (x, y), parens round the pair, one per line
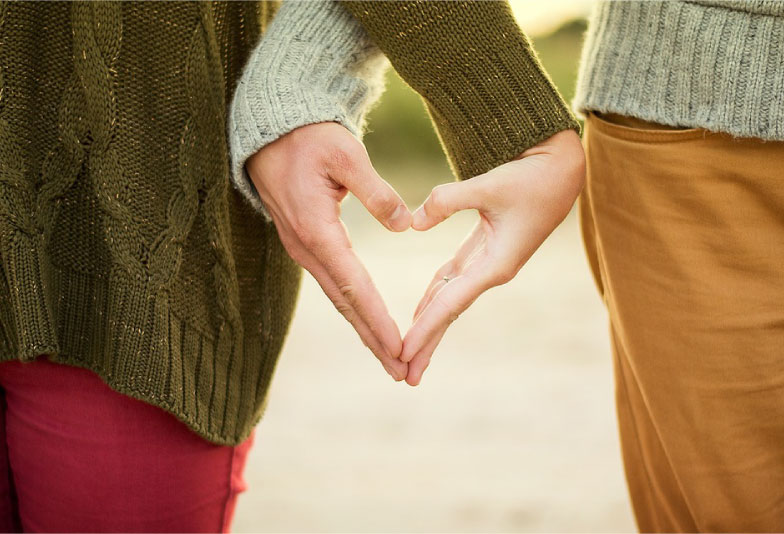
(125, 250)
(314, 64)
(481, 81)
(708, 64)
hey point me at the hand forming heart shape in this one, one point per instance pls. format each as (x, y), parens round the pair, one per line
(303, 176)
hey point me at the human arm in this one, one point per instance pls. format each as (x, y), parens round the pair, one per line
(294, 128)
(484, 88)
(314, 64)
(482, 124)
(509, 137)
(519, 203)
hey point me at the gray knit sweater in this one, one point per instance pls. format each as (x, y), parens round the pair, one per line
(315, 63)
(715, 64)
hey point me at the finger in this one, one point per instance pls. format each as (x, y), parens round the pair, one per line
(334, 253)
(397, 369)
(468, 248)
(446, 305)
(435, 287)
(437, 281)
(445, 200)
(420, 362)
(354, 171)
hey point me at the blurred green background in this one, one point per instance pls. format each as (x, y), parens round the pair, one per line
(400, 137)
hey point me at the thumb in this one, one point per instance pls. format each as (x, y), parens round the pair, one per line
(356, 173)
(445, 200)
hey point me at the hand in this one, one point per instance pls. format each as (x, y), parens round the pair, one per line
(302, 177)
(519, 204)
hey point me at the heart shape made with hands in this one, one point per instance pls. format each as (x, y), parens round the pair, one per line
(398, 261)
(303, 177)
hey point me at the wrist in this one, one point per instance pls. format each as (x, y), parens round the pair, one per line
(315, 64)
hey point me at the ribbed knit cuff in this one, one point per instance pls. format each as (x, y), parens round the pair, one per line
(718, 67)
(484, 87)
(314, 64)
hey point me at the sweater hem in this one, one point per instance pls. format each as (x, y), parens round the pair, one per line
(123, 388)
(126, 331)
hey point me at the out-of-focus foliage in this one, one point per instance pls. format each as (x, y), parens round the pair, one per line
(401, 140)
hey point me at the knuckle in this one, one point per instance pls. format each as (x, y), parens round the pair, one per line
(437, 203)
(343, 155)
(308, 236)
(382, 202)
(346, 311)
(504, 275)
(306, 230)
(340, 159)
(308, 241)
(348, 291)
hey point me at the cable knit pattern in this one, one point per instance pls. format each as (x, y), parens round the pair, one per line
(124, 248)
(710, 64)
(315, 64)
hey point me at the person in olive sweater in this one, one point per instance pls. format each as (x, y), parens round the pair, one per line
(144, 300)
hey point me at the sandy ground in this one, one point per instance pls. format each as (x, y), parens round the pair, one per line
(511, 429)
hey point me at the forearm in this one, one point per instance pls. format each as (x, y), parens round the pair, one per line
(316, 63)
(487, 94)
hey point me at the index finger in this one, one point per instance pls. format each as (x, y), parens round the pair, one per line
(355, 285)
(452, 299)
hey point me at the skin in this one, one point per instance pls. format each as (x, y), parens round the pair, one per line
(303, 176)
(520, 203)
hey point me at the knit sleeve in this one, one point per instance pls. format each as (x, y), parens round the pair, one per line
(315, 63)
(483, 86)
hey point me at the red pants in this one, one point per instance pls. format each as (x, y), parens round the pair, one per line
(76, 456)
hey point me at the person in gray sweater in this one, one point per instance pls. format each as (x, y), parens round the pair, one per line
(682, 223)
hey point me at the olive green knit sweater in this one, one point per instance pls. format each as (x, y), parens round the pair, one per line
(123, 247)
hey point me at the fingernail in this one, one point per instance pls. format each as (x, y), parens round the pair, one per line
(401, 219)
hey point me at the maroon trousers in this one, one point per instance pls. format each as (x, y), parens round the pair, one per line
(77, 456)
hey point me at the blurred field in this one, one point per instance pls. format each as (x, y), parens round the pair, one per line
(513, 426)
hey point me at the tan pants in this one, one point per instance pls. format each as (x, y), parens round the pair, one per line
(684, 231)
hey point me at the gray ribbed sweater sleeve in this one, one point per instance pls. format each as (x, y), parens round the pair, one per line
(315, 63)
(713, 64)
